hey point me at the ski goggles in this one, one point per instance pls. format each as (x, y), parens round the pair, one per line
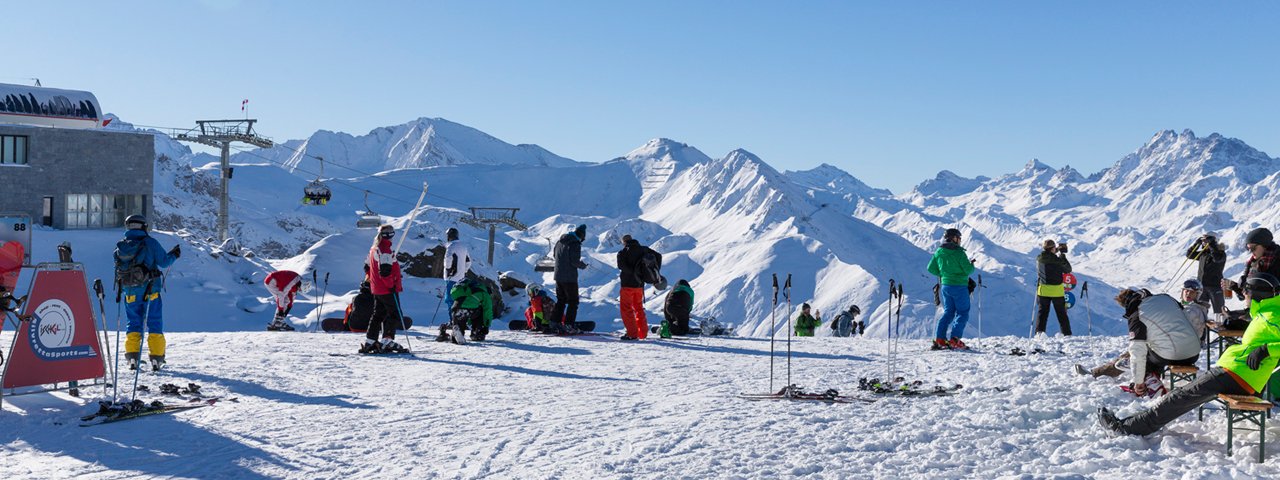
(387, 234)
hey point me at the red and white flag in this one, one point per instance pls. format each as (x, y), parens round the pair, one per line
(243, 103)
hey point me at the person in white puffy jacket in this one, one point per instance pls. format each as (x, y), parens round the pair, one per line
(457, 261)
(1160, 334)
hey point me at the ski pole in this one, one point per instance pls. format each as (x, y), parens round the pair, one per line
(437, 312)
(1031, 332)
(106, 339)
(323, 292)
(115, 370)
(1185, 264)
(888, 334)
(408, 344)
(897, 334)
(773, 328)
(786, 292)
(146, 314)
(980, 287)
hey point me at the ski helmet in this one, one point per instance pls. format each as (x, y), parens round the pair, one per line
(1192, 284)
(135, 222)
(854, 310)
(386, 231)
(451, 234)
(1262, 285)
(951, 233)
(532, 290)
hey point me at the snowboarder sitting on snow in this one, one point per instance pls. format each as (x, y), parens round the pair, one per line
(384, 283)
(541, 307)
(677, 309)
(1242, 369)
(283, 285)
(1264, 257)
(805, 323)
(846, 324)
(139, 262)
(472, 307)
(1050, 266)
(952, 266)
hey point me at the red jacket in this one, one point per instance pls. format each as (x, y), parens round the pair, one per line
(381, 255)
(284, 281)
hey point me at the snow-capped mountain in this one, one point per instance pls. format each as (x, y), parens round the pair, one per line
(425, 142)
(726, 224)
(1129, 224)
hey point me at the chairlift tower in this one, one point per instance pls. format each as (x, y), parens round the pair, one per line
(221, 134)
(491, 217)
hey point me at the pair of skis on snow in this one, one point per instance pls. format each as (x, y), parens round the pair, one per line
(109, 412)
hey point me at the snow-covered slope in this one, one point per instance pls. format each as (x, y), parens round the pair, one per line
(536, 407)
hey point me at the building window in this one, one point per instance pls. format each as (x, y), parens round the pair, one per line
(13, 150)
(101, 211)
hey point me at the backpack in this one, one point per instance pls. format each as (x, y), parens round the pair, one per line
(130, 271)
(648, 269)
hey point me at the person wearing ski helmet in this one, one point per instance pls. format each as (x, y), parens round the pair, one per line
(568, 253)
(1051, 264)
(1242, 369)
(1195, 305)
(385, 284)
(143, 255)
(677, 308)
(806, 323)
(845, 324)
(457, 261)
(952, 266)
(1212, 258)
(541, 307)
(283, 285)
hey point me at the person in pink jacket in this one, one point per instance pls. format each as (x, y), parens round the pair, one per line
(384, 283)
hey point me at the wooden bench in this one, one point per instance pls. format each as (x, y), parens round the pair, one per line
(1250, 411)
(1186, 373)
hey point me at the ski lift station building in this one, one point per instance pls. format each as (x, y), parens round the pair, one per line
(60, 166)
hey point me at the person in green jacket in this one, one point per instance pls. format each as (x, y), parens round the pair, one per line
(471, 304)
(1050, 266)
(805, 323)
(952, 266)
(1242, 369)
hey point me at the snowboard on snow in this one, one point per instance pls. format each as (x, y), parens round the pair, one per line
(518, 325)
(338, 324)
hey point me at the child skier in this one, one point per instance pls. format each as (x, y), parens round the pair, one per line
(283, 285)
(384, 283)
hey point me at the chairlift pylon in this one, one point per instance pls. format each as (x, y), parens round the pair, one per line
(316, 192)
(368, 219)
(547, 263)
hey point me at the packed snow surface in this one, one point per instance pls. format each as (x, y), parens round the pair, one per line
(531, 406)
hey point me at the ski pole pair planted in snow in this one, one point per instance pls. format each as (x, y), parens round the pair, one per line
(773, 327)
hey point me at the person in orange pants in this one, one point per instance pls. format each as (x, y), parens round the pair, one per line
(631, 260)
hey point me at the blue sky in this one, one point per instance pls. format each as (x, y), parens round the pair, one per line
(889, 91)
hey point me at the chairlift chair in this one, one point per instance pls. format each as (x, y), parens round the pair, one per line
(547, 263)
(368, 219)
(316, 193)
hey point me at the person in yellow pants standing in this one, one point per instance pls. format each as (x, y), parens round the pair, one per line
(140, 261)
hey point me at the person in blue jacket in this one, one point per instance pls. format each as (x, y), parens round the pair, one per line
(140, 263)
